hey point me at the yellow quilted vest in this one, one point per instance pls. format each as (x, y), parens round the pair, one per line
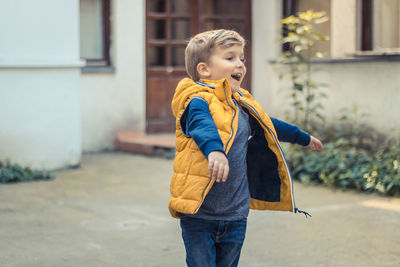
(191, 181)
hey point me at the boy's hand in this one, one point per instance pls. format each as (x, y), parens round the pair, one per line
(315, 144)
(218, 166)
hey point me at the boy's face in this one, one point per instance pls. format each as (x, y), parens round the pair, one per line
(226, 63)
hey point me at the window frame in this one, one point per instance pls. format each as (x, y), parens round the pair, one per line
(367, 34)
(105, 63)
(366, 25)
(289, 7)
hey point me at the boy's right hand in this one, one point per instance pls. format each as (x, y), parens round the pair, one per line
(218, 166)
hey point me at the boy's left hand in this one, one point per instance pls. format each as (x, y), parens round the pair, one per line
(315, 144)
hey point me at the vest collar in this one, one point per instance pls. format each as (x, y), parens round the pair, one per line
(208, 83)
(221, 88)
(204, 84)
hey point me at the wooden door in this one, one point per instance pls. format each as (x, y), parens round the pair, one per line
(169, 25)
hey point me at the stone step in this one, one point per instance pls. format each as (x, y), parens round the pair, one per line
(146, 144)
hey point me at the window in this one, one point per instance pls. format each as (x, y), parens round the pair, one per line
(95, 32)
(380, 30)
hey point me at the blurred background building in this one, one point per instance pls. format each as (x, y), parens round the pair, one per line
(74, 73)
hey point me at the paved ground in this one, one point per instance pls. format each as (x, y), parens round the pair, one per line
(112, 211)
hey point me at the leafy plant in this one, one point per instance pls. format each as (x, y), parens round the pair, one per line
(13, 172)
(353, 157)
(305, 93)
(384, 176)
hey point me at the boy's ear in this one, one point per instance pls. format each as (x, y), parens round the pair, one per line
(202, 69)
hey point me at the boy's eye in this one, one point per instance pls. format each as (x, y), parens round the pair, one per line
(243, 60)
(229, 58)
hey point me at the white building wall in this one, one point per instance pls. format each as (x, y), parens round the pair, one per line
(116, 101)
(39, 83)
(42, 31)
(373, 85)
(266, 17)
(343, 24)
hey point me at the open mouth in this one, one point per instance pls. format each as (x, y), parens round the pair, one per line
(237, 76)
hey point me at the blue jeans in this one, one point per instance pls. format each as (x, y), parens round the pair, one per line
(212, 242)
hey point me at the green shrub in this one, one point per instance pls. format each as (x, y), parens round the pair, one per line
(13, 172)
(353, 157)
(383, 174)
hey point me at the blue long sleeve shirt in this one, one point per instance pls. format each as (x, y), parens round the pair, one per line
(198, 123)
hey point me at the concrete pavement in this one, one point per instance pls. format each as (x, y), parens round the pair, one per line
(112, 211)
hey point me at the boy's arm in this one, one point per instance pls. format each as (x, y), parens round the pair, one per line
(291, 133)
(288, 132)
(197, 122)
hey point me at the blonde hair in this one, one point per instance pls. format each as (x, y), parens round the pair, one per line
(200, 48)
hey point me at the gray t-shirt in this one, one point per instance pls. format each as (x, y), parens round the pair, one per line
(230, 200)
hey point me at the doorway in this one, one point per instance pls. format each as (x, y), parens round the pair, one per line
(169, 25)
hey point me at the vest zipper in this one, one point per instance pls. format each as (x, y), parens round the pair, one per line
(280, 150)
(234, 114)
(226, 146)
(202, 197)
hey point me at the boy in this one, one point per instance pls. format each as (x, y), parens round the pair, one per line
(228, 158)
